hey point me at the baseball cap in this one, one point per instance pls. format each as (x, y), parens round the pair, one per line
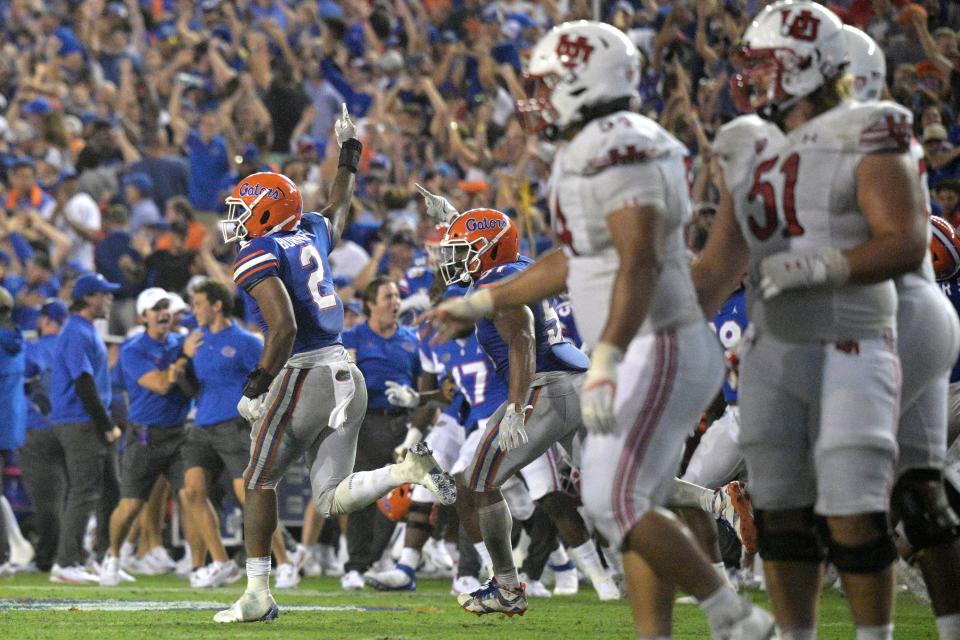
(55, 309)
(934, 132)
(38, 106)
(6, 300)
(354, 305)
(149, 298)
(177, 304)
(90, 283)
(142, 182)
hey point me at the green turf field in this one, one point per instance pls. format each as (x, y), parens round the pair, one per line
(165, 607)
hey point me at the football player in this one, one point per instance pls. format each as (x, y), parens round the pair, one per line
(283, 265)
(619, 202)
(821, 205)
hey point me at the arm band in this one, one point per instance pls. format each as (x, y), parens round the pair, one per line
(350, 155)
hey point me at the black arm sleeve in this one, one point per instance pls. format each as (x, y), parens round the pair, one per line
(90, 399)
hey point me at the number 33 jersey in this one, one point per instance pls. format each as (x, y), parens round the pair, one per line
(798, 192)
(619, 161)
(300, 259)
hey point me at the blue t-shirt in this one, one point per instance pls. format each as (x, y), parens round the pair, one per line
(300, 259)
(106, 258)
(222, 364)
(208, 165)
(730, 323)
(951, 289)
(26, 316)
(13, 403)
(79, 350)
(381, 359)
(40, 356)
(554, 353)
(140, 355)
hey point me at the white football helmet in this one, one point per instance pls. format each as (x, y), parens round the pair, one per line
(791, 49)
(868, 66)
(575, 65)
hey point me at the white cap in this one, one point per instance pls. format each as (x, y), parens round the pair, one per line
(149, 298)
(176, 303)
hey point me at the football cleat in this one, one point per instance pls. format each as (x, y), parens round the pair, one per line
(251, 607)
(494, 597)
(420, 467)
(464, 584)
(351, 581)
(606, 588)
(565, 580)
(73, 575)
(758, 625)
(110, 571)
(535, 588)
(287, 576)
(732, 503)
(400, 578)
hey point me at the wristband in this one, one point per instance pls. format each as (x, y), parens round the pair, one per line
(350, 154)
(257, 383)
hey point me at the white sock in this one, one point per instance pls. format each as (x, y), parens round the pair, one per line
(127, 549)
(410, 557)
(799, 634)
(723, 607)
(453, 549)
(614, 560)
(258, 574)
(496, 525)
(481, 549)
(14, 535)
(883, 632)
(722, 571)
(559, 557)
(588, 560)
(948, 626)
(362, 488)
(687, 494)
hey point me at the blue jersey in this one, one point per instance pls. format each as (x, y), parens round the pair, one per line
(221, 365)
(554, 353)
(472, 373)
(567, 323)
(951, 289)
(730, 324)
(415, 280)
(300, 259)
(381, 359)
(40, 355)
(141, 355)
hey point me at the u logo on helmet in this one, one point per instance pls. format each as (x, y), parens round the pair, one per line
(804, 26)
(573, 52)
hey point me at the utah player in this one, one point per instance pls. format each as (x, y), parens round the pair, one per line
(283, 265)
(619, 202)
(821, 206)
(928, 339)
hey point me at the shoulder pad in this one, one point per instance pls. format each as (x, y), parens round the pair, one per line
(739, 142)
(619, 139)
(867, 127)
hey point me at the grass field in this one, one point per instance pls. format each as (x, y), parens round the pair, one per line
(165, 607)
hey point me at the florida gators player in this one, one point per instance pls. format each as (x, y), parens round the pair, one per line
(928, 339)
(541, 371)
(619, 203)
(305, 396)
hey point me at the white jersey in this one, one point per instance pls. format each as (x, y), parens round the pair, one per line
(923, 276)
(797, 192)
(614, 162)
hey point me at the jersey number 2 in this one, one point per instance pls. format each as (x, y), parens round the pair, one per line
(764, 189)
(310, 259)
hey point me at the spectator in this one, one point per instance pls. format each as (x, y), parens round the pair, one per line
(946, 198)
(25, 194)
(41, 459)
(137, 190)
(80, 394)
(941, 155)
(178, 210)
(207, 154)
(171, 268)
(78, 215)
(169, 173)
(12, 400)
(117, 259)
(37, 285)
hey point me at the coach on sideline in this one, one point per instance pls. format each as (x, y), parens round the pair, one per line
(384, 352)
(79, 395)
(159, 402)
(222, 354)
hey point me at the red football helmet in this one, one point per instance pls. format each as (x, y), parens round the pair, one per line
(476, 241)
(261, 204)
(943, 249)
(396, 504)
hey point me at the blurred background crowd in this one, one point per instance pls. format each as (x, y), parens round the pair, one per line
(125, 123)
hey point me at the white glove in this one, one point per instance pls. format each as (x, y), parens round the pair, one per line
(413, 436)
(344, 127)
(401, 395)
(252, 408)
(787, 270)
(439, 208)
(600, 389)
(512, 432)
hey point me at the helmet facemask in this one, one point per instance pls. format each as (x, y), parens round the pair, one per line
(536, 113)
(757, 86)
(238, 212)
(460, 258)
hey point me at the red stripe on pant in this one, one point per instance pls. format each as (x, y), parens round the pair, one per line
(302, 375)
(501, 454)
(265, 426)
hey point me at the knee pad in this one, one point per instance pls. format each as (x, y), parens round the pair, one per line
(327, 505)
(870, 557)
(926, 523)
(800, 543)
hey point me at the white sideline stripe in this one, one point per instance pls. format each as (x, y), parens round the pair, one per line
(296, 593)
(173, 605)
